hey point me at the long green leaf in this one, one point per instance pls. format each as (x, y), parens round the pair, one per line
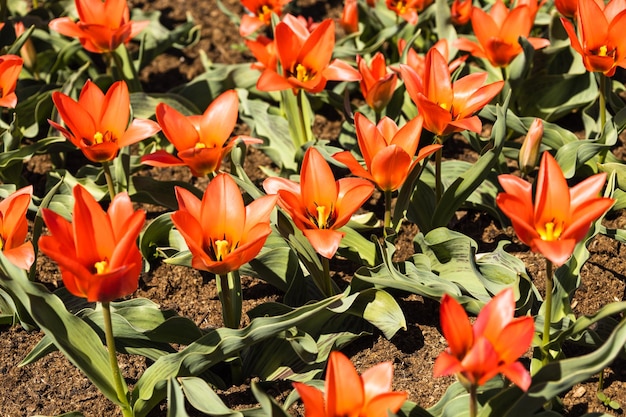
(212, 349)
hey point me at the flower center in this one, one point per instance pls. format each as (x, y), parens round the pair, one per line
(400, 7)
(100, 138)
(302, 73)
(265, 14)
(605, 51)
(552, 231)
(101, 267)
(324, 218)
(222, 248)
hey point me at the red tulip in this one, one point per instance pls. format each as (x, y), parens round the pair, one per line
(601, 30)
(498, 32)
(221, 232)
(305, 59)
(387, 150)
(98, 124)
(491, 346)
(566, 7)
(259, 14)
(97, 253)
(14, 228)
(10, 67)
(408, 9)
(560, 216)
(348, 394)
(350, 16)
(461, 12)
(319, 205)
(448, 107)
(377, 84)
(102, 25)
(201, 141)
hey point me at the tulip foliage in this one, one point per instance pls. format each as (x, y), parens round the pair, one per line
(439, 110)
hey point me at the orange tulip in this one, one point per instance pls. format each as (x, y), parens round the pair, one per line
(201, 141)
(102, 25)
(498, 32)
(601, 29)
(566, 7)
(461, 12)
(418, 62)
(560, 217)
(387, 150)
(264, 50)
(98, 124)
(221, 232)
(305, 59)
(350, 16)
(377, 84)
(259, 14)
(319, 205)
(448, 107)
(10, 67)
(348, 394)
(408, 9)
(27, 51)
(491, 346)
(97, 253)
(14, 228)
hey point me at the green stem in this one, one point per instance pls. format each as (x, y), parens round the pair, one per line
(126, 69)
(120, 386)
(602, 109)
(387, 219)
(438, 182)
(473, 405)
(304, 125)
(109, 179)
(547, 319)
(229, 292)
(327, 283)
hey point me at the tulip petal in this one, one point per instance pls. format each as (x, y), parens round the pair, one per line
(344, 389)
(219, 119)
(518, 375)
(353, 192)
(455, 326)
(312, 398)
(377, 380)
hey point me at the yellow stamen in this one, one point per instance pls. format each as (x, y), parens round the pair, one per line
(222, 248)
(603, 50)
(200, 145)
(101, 267)
(322, 217)
(302, 73)
(98, 138)
(265, 13)
(443, 106)
(552, 231)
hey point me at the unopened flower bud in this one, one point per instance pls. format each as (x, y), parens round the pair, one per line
(529, 152)
(461, 12)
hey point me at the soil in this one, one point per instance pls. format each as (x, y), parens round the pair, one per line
(53, 386)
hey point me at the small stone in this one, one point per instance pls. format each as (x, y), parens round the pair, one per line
(579, 392)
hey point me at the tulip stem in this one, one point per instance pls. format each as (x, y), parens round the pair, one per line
(438, 182)
(547, 314)
(229, 292)
(387, 220)
(120, 387)
(602, 110)
(109, 179)
(473, 406)
(327, 284)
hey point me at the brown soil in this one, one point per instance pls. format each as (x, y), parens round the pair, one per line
(53, 386)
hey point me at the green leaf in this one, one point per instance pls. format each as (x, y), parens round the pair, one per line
(381, 309)
(202, 397)
(270, 407)
(211, 349)
(175, 400)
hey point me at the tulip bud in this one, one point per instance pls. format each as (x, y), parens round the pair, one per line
(350, 17)
(529, 152)
(461, 12)
(28, 52)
